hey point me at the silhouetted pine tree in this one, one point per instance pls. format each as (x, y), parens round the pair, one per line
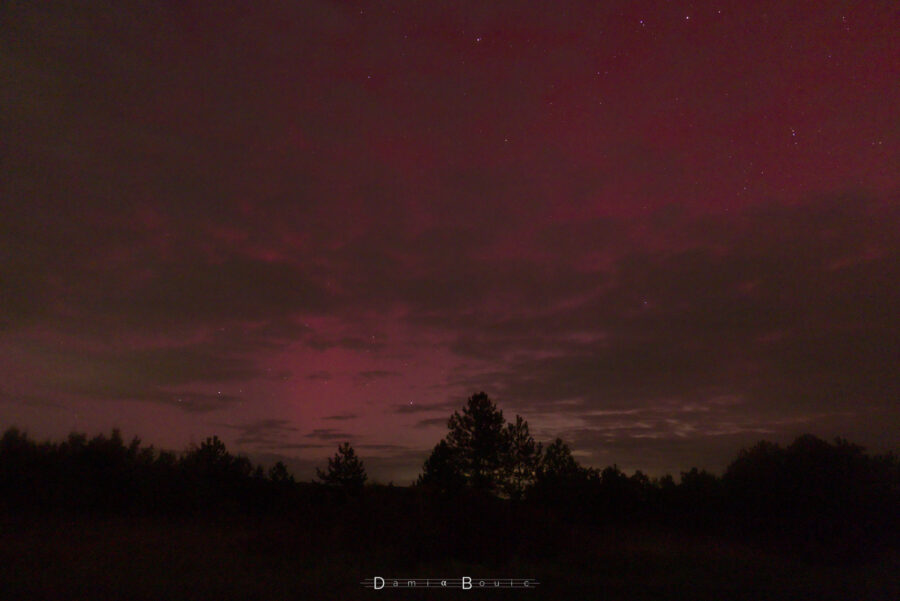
(344, 469)
(522, 459)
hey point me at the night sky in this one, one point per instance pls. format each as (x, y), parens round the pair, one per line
(659, 230)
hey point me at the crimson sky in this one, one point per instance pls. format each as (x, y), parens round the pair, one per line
(659, 230)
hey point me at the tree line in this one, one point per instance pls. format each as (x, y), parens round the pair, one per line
(812, 488)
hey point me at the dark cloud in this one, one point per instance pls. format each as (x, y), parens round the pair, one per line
(295, 446)
(194, 402)
(785, 308)
(341, 417)
(329, 434)
(171, 375)
(264, 433)
(382, 447)
(714, 317)
(29, 400)
(215, 291)
(433, 421)
(377, 374)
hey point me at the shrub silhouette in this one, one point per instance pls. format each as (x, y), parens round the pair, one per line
(559, 479)
(558, 463)
(441, 471)
(279, 474)
(826, 492)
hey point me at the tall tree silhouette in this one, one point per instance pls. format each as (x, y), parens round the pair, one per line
(344, 469)
(476, 445)
(521, 460)
(483, 452)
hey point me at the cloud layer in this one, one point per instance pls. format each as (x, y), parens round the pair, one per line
(658, 237)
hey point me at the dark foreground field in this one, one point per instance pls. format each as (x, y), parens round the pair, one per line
(96, 519)
(267, 558)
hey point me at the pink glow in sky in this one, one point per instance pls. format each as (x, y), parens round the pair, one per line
(659, 230)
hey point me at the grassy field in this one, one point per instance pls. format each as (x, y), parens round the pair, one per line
(279, 559)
